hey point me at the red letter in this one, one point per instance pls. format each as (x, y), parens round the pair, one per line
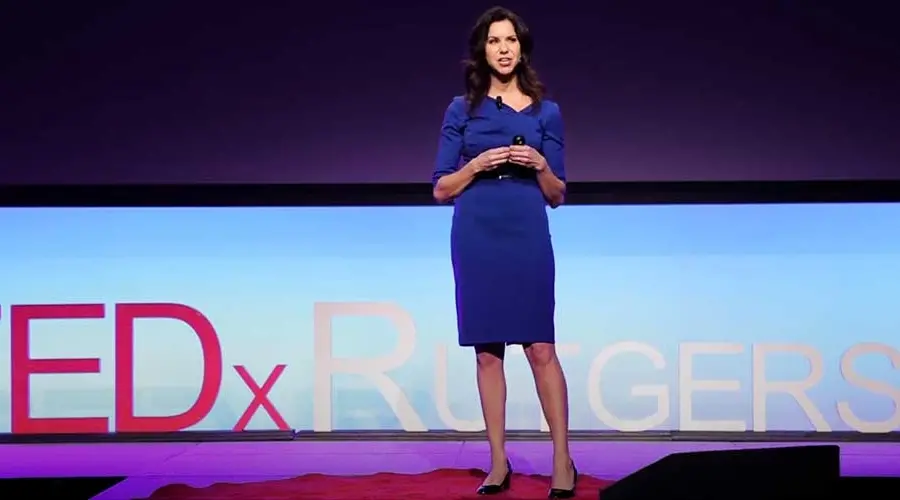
(22, 366)
(126, 421)
(261, 398)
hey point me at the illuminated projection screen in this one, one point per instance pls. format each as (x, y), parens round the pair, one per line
(715, 318)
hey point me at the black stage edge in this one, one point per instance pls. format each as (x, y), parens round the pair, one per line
(783, 473)
(513, 435)
(60, 488)
(579, 193)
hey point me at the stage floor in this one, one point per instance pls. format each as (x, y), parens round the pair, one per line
(149, 466)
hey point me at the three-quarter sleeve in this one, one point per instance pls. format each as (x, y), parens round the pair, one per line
(553, 145)
(450, 144)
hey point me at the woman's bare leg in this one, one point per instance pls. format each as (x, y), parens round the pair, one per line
(550, 382)
(492, 390)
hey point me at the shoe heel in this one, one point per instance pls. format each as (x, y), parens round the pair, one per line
(561, 493)
(496, 489)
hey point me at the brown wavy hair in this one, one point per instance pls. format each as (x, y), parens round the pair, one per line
(477, 72)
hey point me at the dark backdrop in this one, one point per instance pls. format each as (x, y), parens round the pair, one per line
(280, 91)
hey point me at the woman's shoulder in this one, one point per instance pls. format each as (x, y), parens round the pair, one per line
(549, 106)
(457, 111)
(458, 104)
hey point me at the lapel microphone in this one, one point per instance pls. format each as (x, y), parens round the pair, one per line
(499, 103)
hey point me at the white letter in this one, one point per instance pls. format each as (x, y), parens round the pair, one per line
(441, 397)
(687, 386)
(870, 385)
(661, 392)
(796, 389)
(374, 369)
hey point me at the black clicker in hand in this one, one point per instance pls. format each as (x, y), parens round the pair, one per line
(527, 156)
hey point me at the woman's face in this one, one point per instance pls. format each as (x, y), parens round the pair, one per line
(502, 49)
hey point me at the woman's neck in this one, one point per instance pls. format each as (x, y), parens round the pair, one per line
(503, 86)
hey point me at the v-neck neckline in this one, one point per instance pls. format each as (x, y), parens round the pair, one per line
(501, 104)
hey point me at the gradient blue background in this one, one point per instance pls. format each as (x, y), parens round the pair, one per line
(823, 275)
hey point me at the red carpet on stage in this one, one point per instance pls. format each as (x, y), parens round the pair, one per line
(444, 484)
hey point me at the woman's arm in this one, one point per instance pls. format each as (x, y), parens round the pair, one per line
(449, 180)
(449, 186)
(553, 187)
(552, 178)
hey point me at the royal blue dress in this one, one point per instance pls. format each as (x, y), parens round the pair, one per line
(502, 256)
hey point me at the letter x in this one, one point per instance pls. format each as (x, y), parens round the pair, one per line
(260, 398)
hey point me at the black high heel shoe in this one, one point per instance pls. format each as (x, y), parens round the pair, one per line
(560, 493)
(495, 489)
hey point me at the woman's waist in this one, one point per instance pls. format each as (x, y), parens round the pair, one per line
(502, 197)
(503, 189)
(508, 171)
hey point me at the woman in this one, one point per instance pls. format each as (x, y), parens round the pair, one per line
(500, 161)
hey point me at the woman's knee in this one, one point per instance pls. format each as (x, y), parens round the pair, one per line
(540, 353)
(490, 355)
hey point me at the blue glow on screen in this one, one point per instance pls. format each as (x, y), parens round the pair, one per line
(826, 276)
